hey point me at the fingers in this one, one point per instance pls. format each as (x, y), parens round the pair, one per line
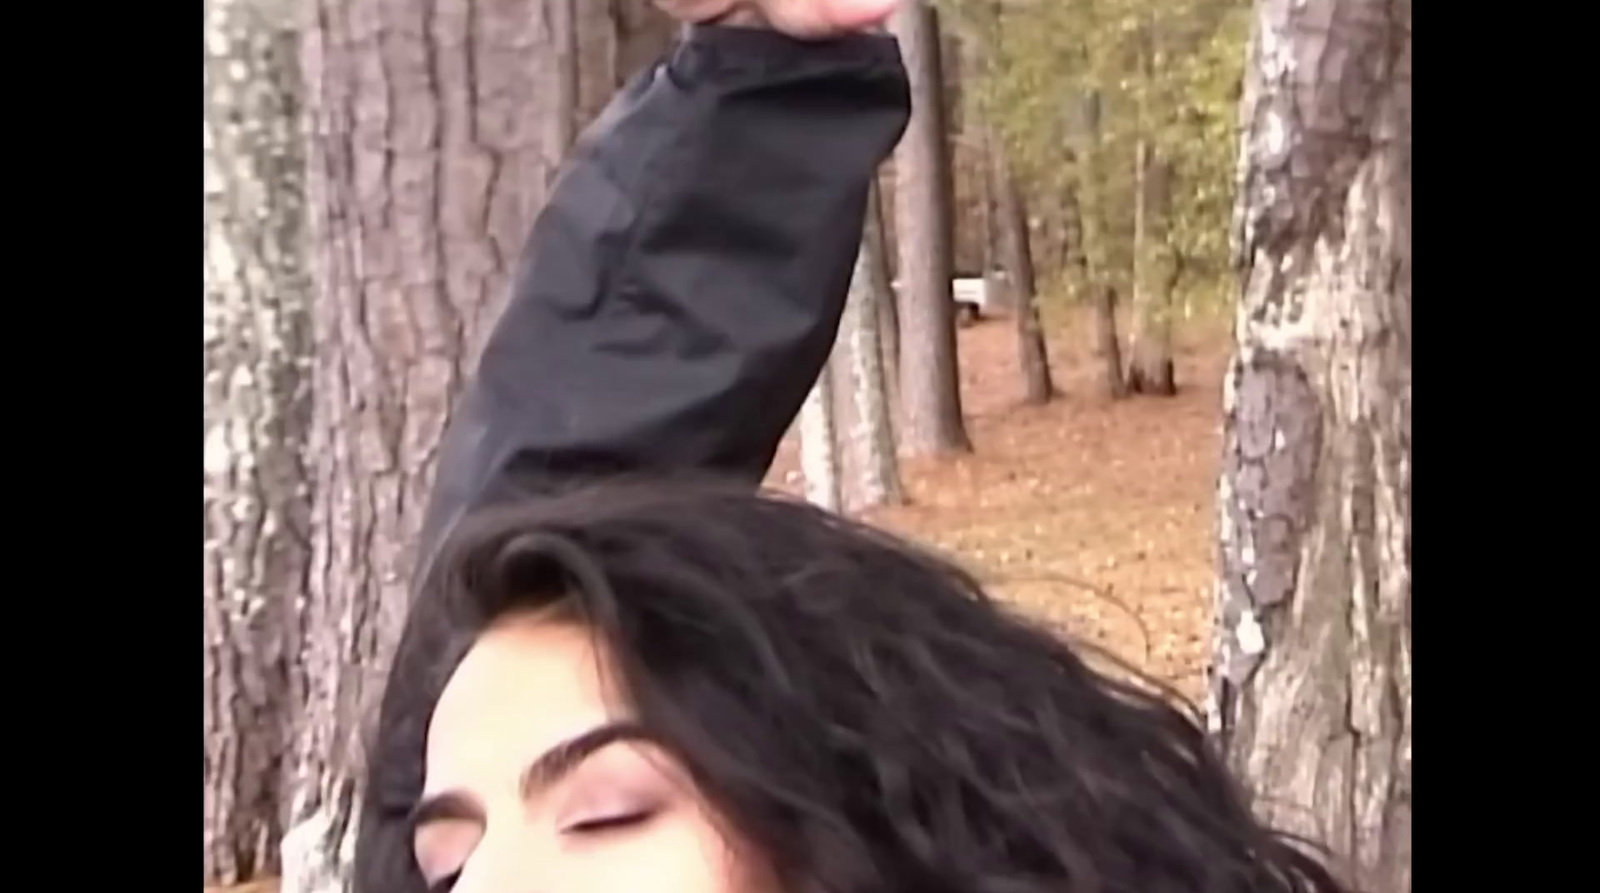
(798, 18)
(696, 10)
(819, 18)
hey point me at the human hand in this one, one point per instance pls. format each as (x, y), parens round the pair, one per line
(797, 18)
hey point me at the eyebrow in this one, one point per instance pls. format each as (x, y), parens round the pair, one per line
(558, 762)
(546, 770)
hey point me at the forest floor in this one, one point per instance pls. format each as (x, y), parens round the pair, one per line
(1094, 515)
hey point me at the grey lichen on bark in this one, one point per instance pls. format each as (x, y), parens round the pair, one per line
(1311, 694)
(1271, 443)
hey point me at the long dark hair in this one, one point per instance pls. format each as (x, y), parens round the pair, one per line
(859, 710)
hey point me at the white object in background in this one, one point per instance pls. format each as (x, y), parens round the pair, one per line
(971, 293)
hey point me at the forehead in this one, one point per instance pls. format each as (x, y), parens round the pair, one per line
(528, 683)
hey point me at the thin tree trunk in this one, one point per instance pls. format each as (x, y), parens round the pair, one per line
(1150, 369)
(256, 344)
(615, 40)
(876, 470)
(1072, 258)
(641, 33)
(999, 290)
(1091, 220)
(1017, 257)
(1312, 684)
(429, 152)
(930, 384)
(979, 132)
(596, 43)
(876, 247)
(819, 443)
(560, 22)
(1107, 346)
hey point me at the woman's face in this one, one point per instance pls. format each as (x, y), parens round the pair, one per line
(537, 784)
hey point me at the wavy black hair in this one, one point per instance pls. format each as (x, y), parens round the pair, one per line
(859, 710)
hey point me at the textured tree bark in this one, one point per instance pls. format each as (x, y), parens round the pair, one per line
(1091, 223)
(257, 342)
(819, 443)
(870, 443)
(1150, 369)
(1017, 258)
(1312, 683)
(431, 140)
(930, 390)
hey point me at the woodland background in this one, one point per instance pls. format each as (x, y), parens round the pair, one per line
(1180, 428)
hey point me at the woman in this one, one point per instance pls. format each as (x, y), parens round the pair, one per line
(686, 687)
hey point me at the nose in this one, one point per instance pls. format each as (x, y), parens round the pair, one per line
(508, 862)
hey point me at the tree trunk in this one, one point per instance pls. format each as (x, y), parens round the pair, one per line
(595, 39)
(876, 469)
(1091, 222)
(886, 303)
(1072, 258)
(615, 39)
(641, 34)
(561, 26)
(1107, 346)
(256, 346)
(930, 385)
(1017, 258)
(983, 32)
(819, 443)
(1150, 370)
(998, 290)
(1312, 686)
(431, 141)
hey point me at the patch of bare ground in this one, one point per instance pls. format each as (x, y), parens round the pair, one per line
(1094, 515)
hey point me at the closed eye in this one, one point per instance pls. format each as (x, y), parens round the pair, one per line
(609, 823)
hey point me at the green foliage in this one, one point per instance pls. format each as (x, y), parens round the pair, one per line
(1166, 72)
